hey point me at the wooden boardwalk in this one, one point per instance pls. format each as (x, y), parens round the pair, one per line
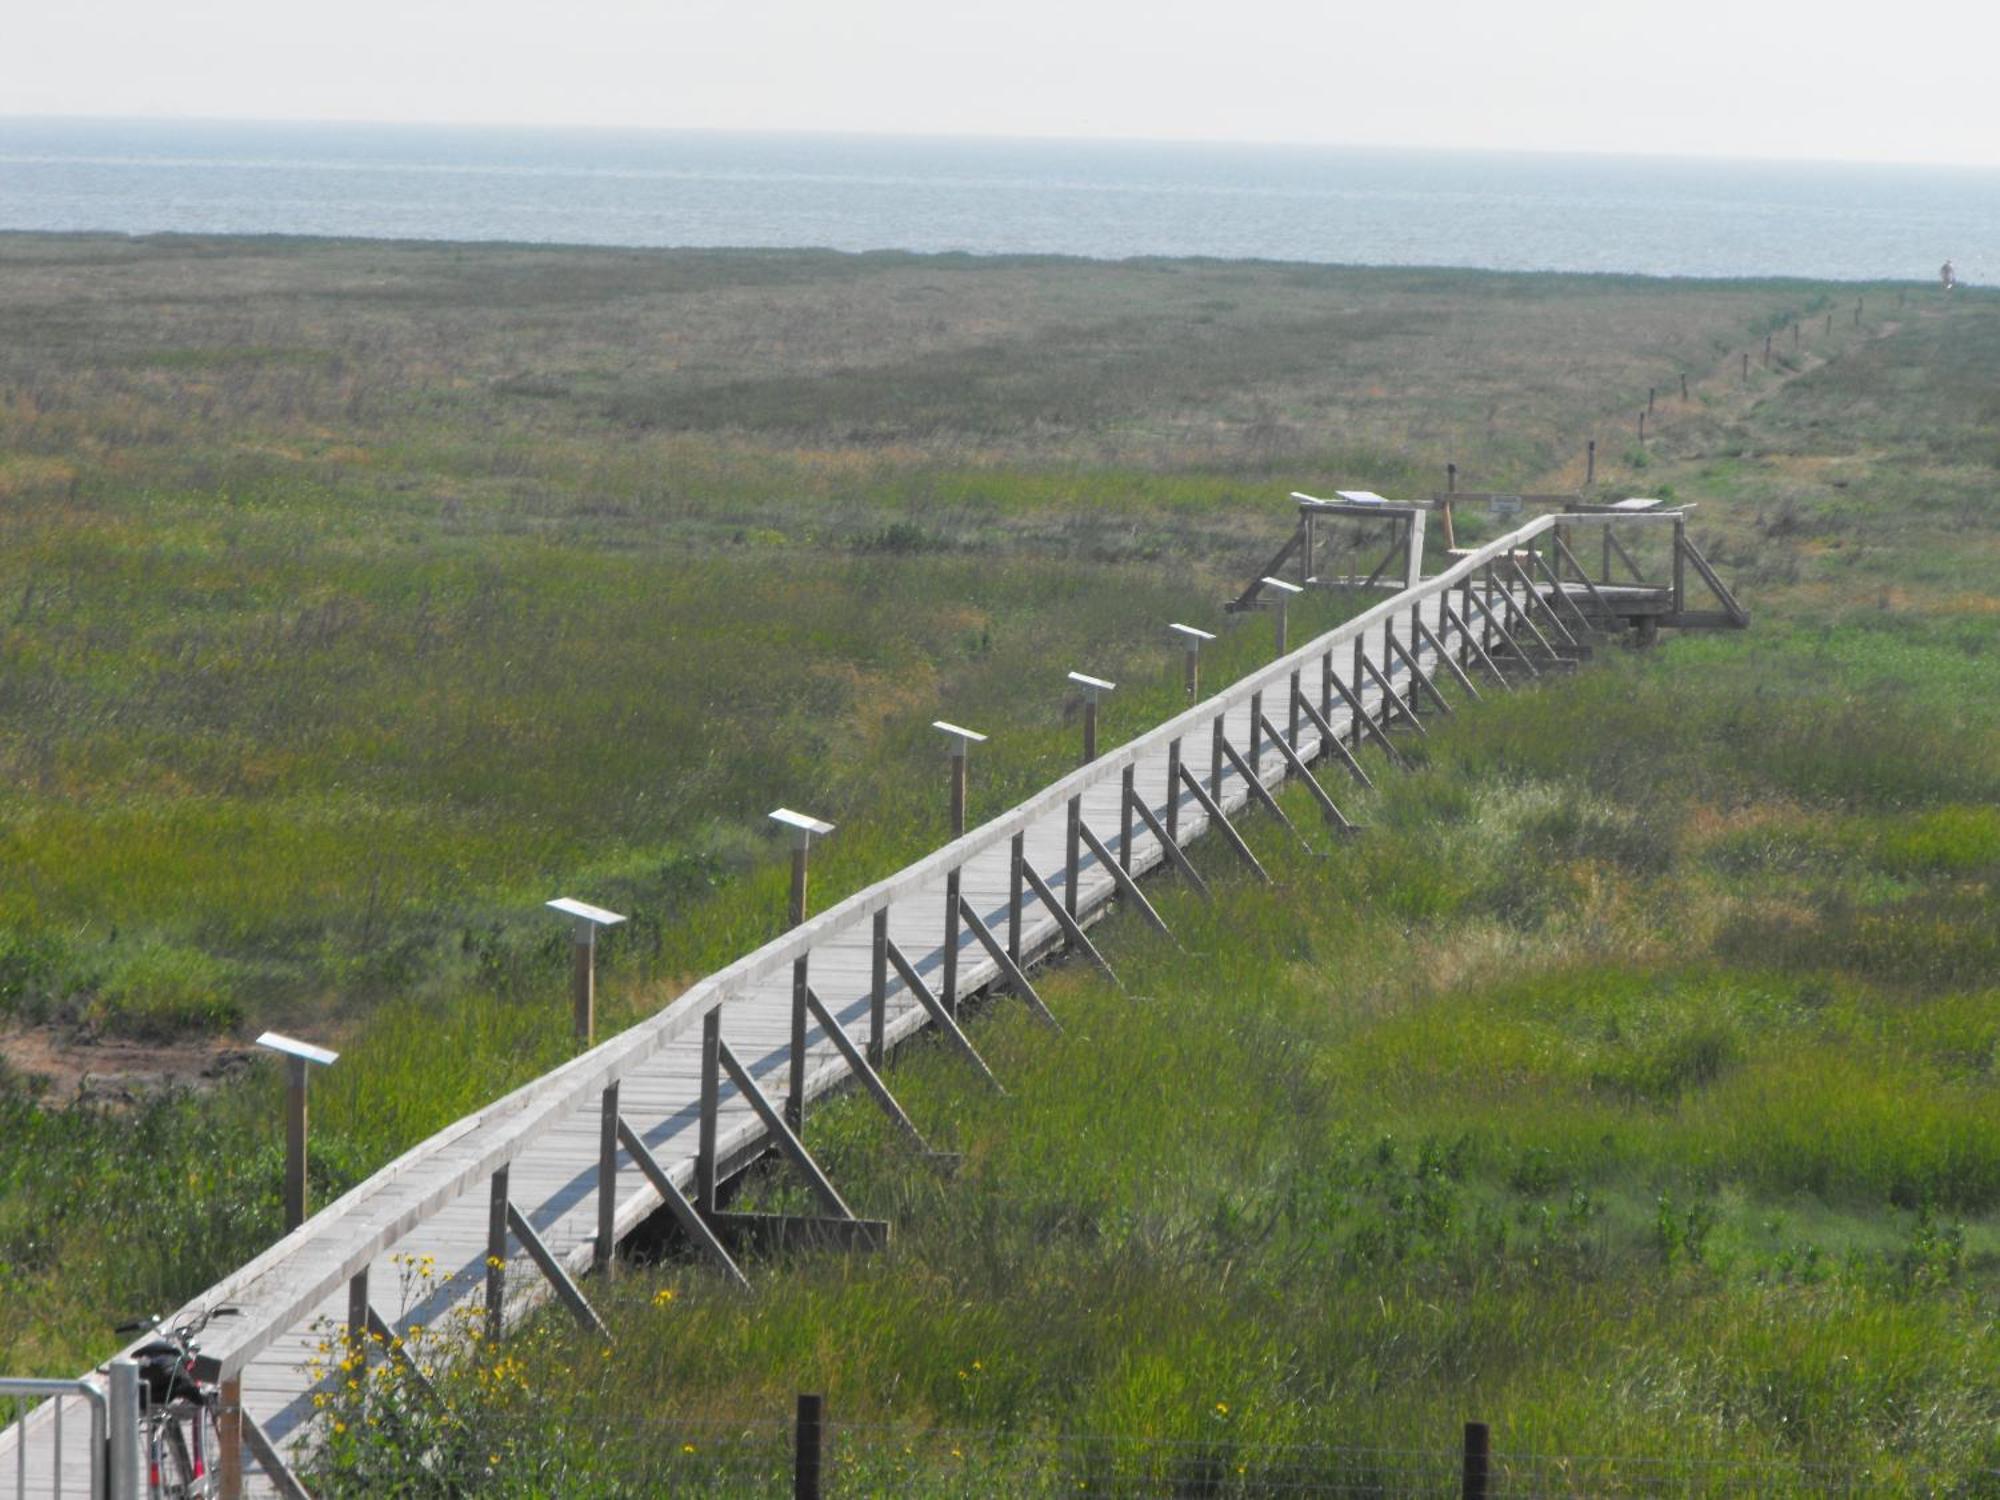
(541, 1150)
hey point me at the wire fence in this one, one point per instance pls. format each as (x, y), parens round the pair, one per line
(810, 1457)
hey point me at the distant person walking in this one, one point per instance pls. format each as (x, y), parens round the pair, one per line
(1948, 276)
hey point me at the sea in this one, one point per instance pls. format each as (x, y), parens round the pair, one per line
(1651, 216)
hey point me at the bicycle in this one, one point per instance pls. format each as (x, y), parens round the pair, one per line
(175, 1401)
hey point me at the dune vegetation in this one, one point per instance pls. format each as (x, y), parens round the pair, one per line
(1630, 1084)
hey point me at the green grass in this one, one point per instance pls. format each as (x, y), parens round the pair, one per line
(1629, 1084)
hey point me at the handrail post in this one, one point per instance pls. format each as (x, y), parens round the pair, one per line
(878, 988)
(1017, 858)
(496, 1255)
(1256, 755)
(1292, 712)
(1125, 796)
(1191, 640)
(605, 1253)
(1174, 790)
(705, 1183)
(229, 1437)
(1073, 848)
(1680, 564)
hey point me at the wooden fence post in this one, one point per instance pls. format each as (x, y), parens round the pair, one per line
(1476, 1475)
(808, 1437)
(1590, 462)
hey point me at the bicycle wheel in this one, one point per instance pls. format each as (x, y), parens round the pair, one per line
(173, 1467)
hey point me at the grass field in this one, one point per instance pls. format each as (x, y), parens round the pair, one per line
(1636, 1092)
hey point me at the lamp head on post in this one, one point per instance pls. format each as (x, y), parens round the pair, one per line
(1191, 639)
(1092, 688)
(804, 831)
(300, 1058)
(585, 920)
(1283, 592)
(961, 738)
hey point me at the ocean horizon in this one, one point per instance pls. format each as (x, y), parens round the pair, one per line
(1652, 216)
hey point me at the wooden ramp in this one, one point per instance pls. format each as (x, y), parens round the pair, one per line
(518, 1201)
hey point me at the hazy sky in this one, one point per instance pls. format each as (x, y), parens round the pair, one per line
(1728, 77)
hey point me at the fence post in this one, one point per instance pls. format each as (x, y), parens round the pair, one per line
(1476, 1480)
(808, 1433)
(1684, 387)
(1590, 462)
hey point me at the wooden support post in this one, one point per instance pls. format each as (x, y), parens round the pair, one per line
(1767, 351)
(229, 1434)
(1256, 755)
(1680, 564)
(690, 1218)
(1642, 429)
(295, 1143)
(948, 968)
(1476, 1474)
(705, 1167)
(878, 986)
(1127, 886)
(1072, 929)
(807, 1435)
(795, 1073)
(1652, 393)
(940, 1017)
(1072, 853)
(1089, 728)
(1017, 855)
(1221, 824)
(1684, 387)
(1306, 550)
(1215, 757)
(1590, 463)
(496, 1256)
(1292, 712)
(357, 1316)
(1746, 366)
(1172, 834)
(1125, 781)
(604, 1254)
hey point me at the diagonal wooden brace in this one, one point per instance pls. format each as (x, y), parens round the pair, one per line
(1511, 607)
(1417, 673)
(1533, 595)
(399, 1353)
(858, 1065)
(1565, 555)
(1127, 886)
(1071, 928)
(692, 1223)
(1429, 638)
(1174, 851)
(940, 1017)
(1012, 970)
(1558, 591)
(1328, 740)
(781, 1135)
(1502, 631)
(1222, 825)
(1326, 804)
(270, 1460)
(552, 1269)
(1471, 638)
(1261, 792)
(1390, 696)
(1361, 716)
